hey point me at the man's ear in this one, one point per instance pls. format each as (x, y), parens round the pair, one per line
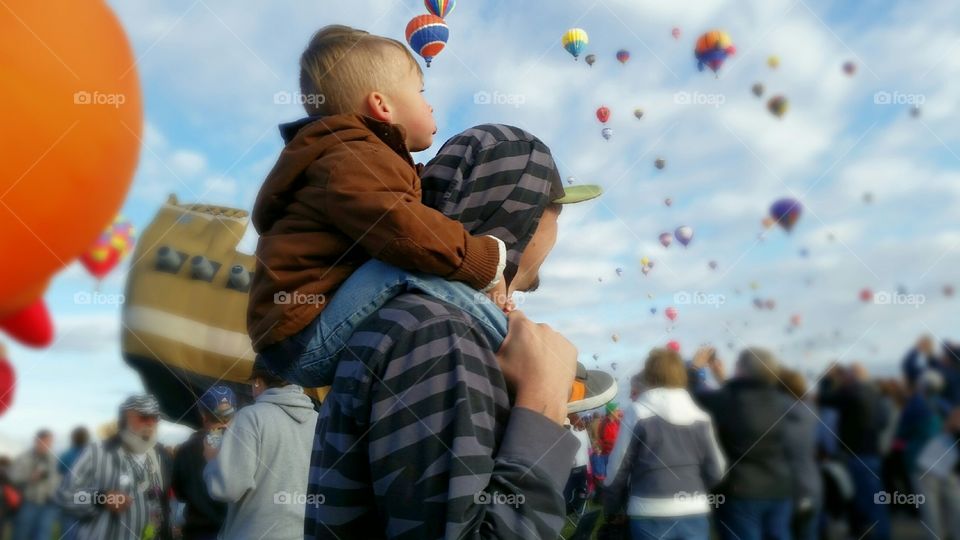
(379, 107)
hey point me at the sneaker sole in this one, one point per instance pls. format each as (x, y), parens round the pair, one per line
(593, 402)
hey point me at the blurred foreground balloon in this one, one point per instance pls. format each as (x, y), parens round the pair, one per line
(773, 61)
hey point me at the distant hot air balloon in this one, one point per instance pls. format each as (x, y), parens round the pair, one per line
(615, 337)
(786, 212)
(596, 356)
(440, 8)
(778, 105)
(110, 247)
(804, 252)
(948, 291)
(915, 111)
(768, 222)
(668, 201)
(684, 235)
(645, 269)
(653, 311)
(603, 114)
(427, 36)
(758, 303)
(644, 261)
(666, 239)
(607, 133)
(623, 55)
(671, 313)
(712, 264)
(590, 58)
(769, 304)
(712, 49)
(757, 89)
(571, 180)
(675, 32)
(613, 366)
(795, 319)
(866, 295)
(773, 61)
(574, 41)
(754, 285)
(674, 346)
(868, 197)
(660, 163)
(638, 112)
(849, 67)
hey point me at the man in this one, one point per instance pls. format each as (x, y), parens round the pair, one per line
(427, 432)
(118, 488)
(750, 416)
(35, 471)
(204, 516)
(261, 467)
(79, 439)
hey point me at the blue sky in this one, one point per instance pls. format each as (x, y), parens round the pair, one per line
(210, 69)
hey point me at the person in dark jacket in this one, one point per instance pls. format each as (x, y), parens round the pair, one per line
(204, 516)
(79, 440)
(749, 411)
(666, 458)
(801, 434)
(862, 420)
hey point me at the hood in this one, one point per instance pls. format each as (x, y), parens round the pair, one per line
(306, 140)
(292, 400)
(672, 404)
(496, 180)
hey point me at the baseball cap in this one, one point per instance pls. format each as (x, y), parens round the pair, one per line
(579, 193)
(219, 401)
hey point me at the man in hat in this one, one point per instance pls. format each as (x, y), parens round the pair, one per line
(204, 516)
(118, 488)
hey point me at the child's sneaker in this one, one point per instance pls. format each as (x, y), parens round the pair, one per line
(591, 389)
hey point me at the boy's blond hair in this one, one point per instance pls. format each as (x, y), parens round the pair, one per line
(342, 65)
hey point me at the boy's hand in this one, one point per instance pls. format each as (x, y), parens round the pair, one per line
(498, 295)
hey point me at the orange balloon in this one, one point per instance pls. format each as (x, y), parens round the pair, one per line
(73, 117)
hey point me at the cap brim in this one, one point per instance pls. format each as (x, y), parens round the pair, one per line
(579, 193)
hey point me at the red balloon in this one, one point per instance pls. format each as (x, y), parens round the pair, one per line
(673, 345)
(100, 269)
(866, 295)
(31, 325)
(603, 114)
(671, 313)
(8, 383)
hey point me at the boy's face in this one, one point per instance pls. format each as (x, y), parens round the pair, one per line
(411, 110)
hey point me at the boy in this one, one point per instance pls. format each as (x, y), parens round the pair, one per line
(345, 189)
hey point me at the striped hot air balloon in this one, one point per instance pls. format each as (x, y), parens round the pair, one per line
(427, 36)
(574, 41)
(440, 8)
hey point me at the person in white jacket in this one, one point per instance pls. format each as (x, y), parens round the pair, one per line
(939, 482)
(262, 465)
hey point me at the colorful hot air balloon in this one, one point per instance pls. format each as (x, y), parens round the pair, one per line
(427, 36)
(671, 313)
(675, 32)
(769, 304)
(684, 235)
(440, 8)
(603, 114)
(623, 55)
(113, 245)
(757, 89)
(574, 41)
(607, 133)
(778, 106)
(773, 61)
(591, 59)
(786, 212)
(660, 163)
(638, 112)
(666, 239)
(712, 49)
(849, 67)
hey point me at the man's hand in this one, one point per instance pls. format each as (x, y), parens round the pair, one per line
(702, 357)
(118, 502)
(209, 452)
(498, 295)
(540, 365)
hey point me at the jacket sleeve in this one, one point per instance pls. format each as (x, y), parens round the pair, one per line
(618, 480)
(435, 467)
(230, 475)
(714, 465)
(375, 202)
(78, 489)
(624, 438)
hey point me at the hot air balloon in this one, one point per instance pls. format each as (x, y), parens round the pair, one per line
(590, 58)
(619, 272)
(54, 207)
(653, 311)
(757, 89)
(574, 41)
(867, 197)
(754, 285)
(915, 111)
(613, 366)
(660, 163)
(712, 49)
(684, 235)
(644, 261)
(712, 264)
(615, 337)
(849, 67)
(607, 133)
(603, 114)
(671, 313)
(665, 239)
(674, 346)
(948, 291)
(758, 303)
(769, 303)
(675, 32)
(638, 112)
(668, 201)
(866, 295)
(8, 382)
(427, 36)
(623, 55)
(778, 106)
(795, 319)
(110, 248)
(773, 61)
(596, 356)
(440, 8)
(645, 269)
(571, 180)
(768, 222)
(786, 212)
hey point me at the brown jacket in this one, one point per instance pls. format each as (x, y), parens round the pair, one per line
(343, 190)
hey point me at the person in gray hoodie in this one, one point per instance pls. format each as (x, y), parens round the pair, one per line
(261, 466)
(666, 458)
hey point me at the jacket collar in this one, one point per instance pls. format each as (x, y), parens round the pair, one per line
(393, 135)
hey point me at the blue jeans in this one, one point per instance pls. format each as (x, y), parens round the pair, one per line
(309, 357)
(754, 519)
(695, 527)
(34, 521)
(869, 505)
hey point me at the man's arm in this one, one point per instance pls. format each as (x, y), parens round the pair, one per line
(230, 474)
(80, 489)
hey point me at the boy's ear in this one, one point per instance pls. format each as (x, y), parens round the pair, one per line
(378, 107)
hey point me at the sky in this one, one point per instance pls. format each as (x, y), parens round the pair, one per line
(211, 70)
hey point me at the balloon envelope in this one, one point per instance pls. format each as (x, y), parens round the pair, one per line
(786, 212)
(666, 239)
(778, 106)
(684, 235)
(623, 55)
(712, 49)
(671, 313)
(607, 133)
(574, 41)
(427, 36)
(440, 8)
(603, 114)
(590, 58)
